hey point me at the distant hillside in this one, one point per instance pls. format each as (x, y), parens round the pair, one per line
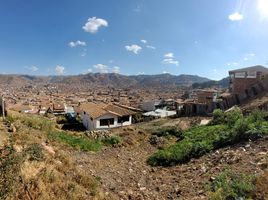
(109, 79)
(224, 83)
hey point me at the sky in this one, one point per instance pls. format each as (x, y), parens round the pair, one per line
(68, 37)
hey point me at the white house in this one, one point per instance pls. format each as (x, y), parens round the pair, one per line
(105, 116)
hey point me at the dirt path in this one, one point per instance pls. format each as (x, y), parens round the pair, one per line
(124, 174)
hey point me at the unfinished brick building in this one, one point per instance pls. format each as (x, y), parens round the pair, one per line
(243, 79)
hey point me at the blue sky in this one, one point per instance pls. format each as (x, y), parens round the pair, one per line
(200, 37)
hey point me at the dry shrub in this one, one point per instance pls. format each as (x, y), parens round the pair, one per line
(262, 186)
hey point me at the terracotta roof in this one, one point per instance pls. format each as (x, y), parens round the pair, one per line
(257, 68)
(97, 110)
(118, 110)
(58, 106)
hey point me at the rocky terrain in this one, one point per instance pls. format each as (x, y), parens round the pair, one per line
(124, 174)
(54, 169)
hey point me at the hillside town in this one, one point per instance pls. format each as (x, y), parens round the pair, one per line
(110, 107)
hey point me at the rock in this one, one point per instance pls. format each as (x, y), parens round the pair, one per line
(157, 141)
(205, 121)
(12, 128)
(17, 148)
(263, 165)
(49, 149)
(142, 188)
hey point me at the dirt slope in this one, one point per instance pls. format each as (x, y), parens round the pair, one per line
(124, 174)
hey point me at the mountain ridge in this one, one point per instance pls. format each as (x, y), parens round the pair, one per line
(107, 79)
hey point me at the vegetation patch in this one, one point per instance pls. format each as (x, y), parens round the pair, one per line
(77, 142)
(112, 140)
(225, 129)
(168, 131)
(9, 177)
(231, 185)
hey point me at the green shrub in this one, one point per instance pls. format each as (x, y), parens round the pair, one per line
(168, 131)
(218, 117)
(232, 116)
(112, 140)
(200, 140)
(35, 152)
(231, 185)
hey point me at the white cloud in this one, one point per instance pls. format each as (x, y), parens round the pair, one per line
(233, 64)
(133, 48)
(165, 72)
(59, 70)
(77, 43)
(169, 59)
(93, 24)
(101, 68)
(144, 41)
(116, 69)
(236, 16)
(33, 68)
(140, 73)
(169, 55)
(89, 70)
(150, 47)
(248, 56)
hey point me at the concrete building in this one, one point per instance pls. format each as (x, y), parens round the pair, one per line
(104, 116)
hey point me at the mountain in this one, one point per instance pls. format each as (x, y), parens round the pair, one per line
(223, 83)
(108, 79)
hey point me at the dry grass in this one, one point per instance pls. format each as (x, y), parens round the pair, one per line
(30, 171)
(262, 186)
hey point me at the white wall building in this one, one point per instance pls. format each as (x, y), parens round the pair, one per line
(103, 116)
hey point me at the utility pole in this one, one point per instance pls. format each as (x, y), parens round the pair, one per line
(3, 107)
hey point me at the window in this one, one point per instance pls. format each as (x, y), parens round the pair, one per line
(123, 119)
(107, 122)
(240, 74)
(252, 75)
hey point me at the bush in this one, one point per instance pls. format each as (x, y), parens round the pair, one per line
(203, 139)
(232, 116)
(231, 185)
(168, 131)
(112, 140)
(218, 117)
(35, 152)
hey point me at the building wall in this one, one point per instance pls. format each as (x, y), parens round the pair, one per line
(95, 124)
(88, 124)
(116, 123)
(239, 85)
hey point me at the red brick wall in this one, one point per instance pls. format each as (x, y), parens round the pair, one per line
(239, 85)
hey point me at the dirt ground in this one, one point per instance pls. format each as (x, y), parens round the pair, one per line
(124, 174)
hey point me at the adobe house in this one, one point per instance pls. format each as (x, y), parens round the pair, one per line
(241, 80)
(104, 116)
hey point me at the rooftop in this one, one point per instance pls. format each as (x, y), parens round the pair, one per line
(251, 69)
